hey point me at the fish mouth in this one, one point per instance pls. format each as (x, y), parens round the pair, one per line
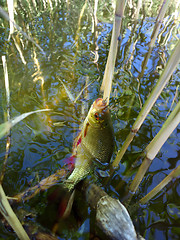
(100, 104)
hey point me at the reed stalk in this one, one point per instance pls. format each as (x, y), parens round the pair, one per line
(139, 5)
(131, 46)
(5, 207)
(109, 70)
(79, 25)
(30, 8)
(161, 83)
(95, 30)
(38, 76)
(6, 79)
(155, 145)
(10, 216)
(8, 141)
(34, 4)
(50, 4)
(154, 34)
(19, 50)
(174, 174)
(158, 23)
(76, 40)
(10, 4)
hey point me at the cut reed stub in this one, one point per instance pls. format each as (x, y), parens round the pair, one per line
(100, 104)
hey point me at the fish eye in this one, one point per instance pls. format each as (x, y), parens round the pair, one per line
(96, 116)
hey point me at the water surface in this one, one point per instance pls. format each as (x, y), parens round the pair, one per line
(40, 143)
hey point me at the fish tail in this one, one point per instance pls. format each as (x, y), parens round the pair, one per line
(76, 176)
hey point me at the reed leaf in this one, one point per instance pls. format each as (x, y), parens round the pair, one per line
(71, 97)
(109, 70)
(155, 145)
(10, 216)
(82, 90)
(5, 127)
(163, 80)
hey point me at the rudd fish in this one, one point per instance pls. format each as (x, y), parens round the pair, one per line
(94, 144)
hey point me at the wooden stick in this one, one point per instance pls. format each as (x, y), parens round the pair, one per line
(43, 185)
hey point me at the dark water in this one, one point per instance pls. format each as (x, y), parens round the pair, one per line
(38, 145)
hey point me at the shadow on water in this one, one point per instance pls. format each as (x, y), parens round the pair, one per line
(41, 142)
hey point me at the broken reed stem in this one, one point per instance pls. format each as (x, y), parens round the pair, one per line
(154, 34)
(161, 83)
(10, 216)
(8, 141)
(155, 145)
(174, 174)
(109, 70)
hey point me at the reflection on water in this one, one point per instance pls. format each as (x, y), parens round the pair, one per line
(39, 143)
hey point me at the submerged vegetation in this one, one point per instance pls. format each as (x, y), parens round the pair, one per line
(56, 53)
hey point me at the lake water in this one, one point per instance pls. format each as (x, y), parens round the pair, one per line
(76, 53)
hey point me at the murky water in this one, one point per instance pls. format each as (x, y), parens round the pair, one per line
(41, 142)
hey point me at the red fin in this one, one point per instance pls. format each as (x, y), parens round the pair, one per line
(70, 162)
(62, 207)
(62, 200)
(85, 130)
(69, 204)
(65, 205)
(79, 141)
